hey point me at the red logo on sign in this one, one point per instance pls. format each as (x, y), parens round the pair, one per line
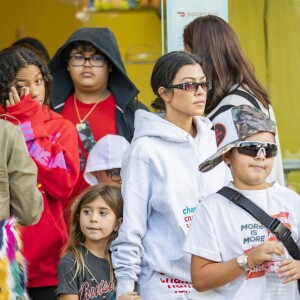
(181, 13)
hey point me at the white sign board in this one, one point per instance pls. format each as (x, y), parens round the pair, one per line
(179, 13)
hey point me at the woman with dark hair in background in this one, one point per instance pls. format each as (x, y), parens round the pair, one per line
(233, 77)
(25, 84)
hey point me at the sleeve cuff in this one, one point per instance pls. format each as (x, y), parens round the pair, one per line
(124, 285)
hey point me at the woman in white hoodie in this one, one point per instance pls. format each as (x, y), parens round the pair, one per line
(161, 183)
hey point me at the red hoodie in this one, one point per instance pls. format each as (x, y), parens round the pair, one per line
(53, 144)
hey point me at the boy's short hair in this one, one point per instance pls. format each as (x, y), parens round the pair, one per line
(105, 155)
(233, 126)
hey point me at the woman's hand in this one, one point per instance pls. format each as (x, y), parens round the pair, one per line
(14, 97)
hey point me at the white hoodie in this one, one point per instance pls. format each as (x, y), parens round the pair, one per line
(161, 187)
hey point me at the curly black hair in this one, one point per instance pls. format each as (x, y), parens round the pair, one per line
(81, 47)
(12, 60)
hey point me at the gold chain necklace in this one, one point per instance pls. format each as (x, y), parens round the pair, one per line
(81, 124)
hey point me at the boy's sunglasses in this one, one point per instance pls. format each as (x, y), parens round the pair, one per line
(192, 86)
(253, 149)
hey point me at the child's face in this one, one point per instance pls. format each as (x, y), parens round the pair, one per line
(32, 78)
(88, 77)
(110, 177)
(97, 222)
(248, 172)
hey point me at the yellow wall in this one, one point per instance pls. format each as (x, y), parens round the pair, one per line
(135, 32)
(246, 17)
(273, 50)
(51, 21)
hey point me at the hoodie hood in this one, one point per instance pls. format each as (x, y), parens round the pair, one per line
(151, 124)
(105, 155)
(104, 40)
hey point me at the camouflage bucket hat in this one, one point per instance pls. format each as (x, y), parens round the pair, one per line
(233, 126)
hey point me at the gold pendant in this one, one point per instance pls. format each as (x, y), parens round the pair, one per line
(81, 126)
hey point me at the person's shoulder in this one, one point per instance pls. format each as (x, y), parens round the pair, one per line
(278, 188)
(235, 99)
(6, 126)
(211, 205)
(142, 145)
(213, 200)
(68, 260)
(50, 114)
(10, 132)
(213, 197)
(68, 257)
(4, 123)
(55, 118)
(135, 104)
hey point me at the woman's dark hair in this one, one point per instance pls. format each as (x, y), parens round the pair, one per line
(35, 46)
(224, 63)
(13, 59)
(165, 71)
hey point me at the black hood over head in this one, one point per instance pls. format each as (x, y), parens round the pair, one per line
(104, 40)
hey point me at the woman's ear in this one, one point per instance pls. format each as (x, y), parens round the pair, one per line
(164, 94)
(119, 222)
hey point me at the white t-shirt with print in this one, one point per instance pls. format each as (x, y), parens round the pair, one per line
(221, 230)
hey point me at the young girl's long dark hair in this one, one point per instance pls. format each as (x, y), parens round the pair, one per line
(224, 63)
(113, 198)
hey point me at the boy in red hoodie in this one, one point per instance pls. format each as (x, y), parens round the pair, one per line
(52, 143)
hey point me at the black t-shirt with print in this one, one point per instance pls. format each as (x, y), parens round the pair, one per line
(92, 284)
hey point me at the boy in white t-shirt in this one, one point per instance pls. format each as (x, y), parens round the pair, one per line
(105, 160)
(230, 248)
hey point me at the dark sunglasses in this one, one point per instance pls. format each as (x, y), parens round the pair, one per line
(253, 149)
(192, 86)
